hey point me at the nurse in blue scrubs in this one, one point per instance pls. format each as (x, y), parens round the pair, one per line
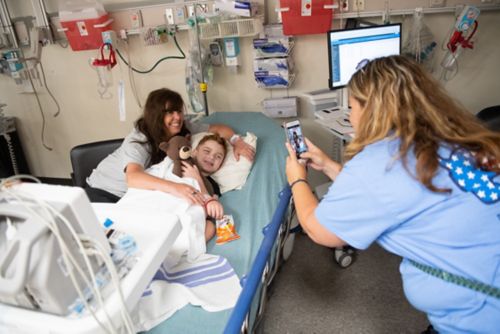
(421, 178)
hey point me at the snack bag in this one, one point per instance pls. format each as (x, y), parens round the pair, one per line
(225, 230)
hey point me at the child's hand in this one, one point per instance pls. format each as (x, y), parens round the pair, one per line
(214, 208)
(191, 171)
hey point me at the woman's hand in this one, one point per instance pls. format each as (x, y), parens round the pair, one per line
(294, 169)
(244, 149)
(137, 178)
(214, 208)
(319, 161)
(192, 195)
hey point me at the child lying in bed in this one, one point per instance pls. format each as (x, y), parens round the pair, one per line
(208, 157)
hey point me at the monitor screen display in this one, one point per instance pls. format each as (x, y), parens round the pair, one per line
(351, 49)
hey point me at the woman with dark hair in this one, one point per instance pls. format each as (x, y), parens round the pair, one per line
(163, 117)
(420, 179)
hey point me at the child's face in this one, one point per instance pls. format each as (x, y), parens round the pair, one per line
(209, 156)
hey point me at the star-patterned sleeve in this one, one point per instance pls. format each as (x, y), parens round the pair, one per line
(462, 170)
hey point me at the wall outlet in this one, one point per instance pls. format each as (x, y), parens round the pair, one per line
(169, 14)
(358, 5)
(135, 19)
(176, 15)
(190, 10)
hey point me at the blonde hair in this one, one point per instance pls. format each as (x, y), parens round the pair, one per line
(399, 99)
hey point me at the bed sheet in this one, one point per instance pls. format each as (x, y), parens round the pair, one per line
(252, 208)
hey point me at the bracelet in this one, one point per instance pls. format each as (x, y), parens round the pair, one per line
(234, 138)
(297, 181)
(206, 203)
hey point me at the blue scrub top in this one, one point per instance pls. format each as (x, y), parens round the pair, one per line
(375, 199)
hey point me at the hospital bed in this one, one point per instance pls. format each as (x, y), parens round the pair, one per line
(261, 210)
(262, 213)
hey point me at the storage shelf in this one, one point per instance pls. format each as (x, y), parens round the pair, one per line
(231, 28)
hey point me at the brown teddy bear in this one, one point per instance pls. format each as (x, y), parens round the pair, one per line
(178, 148)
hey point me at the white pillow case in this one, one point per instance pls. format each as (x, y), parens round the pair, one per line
(232, 174)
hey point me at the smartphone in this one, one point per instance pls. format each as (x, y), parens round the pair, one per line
(295, 137)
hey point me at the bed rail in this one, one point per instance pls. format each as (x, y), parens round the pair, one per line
(254, 278)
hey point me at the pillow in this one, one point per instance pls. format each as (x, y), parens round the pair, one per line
(232, 174)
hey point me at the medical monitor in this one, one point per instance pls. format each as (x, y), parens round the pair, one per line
(351, 49)
(34, 274)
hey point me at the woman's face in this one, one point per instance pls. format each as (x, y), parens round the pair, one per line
(209, 156)
(355, 113)
(173, 121)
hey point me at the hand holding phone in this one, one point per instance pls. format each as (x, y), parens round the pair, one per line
(295, 137)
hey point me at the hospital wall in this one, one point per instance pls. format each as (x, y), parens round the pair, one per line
(85, 117)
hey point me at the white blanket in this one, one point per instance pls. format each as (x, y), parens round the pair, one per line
(210, 282)
(191, 241)
(187, 275)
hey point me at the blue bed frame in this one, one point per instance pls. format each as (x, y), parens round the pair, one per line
(239, 317)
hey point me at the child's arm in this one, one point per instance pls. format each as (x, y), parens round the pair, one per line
(212, 206)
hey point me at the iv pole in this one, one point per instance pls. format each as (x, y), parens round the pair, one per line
(202, 83)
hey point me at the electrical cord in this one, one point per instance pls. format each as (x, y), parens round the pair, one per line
(7, 181)
(48, 90)
(50, 221)
(12, 153)
(98, 250)
(40, 108)
(66, 255)
(85, 258)
(131, 77)
(38, 62)
(158, 62)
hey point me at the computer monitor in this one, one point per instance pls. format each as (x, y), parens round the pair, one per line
(351, 49)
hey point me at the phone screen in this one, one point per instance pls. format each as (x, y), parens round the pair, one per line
(296, 138)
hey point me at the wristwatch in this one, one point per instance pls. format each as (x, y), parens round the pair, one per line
(234, 138)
